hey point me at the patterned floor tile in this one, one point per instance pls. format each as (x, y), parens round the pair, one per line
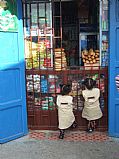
(69, 136)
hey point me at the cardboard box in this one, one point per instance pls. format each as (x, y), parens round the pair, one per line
(94, 66)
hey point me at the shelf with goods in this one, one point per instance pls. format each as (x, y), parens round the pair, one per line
(38, 50)
(60, 62)
(38, 36)
(88, 41)
(91, 58)
(89, 49)
(104, 33)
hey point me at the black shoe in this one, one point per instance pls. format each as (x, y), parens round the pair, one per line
(90, 130)
(61, 136)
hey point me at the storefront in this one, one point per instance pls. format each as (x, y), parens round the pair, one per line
(65, 42)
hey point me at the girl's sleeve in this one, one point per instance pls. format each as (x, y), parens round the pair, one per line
(70, 100)
(84, 96)
(58, 100)
(97, 95)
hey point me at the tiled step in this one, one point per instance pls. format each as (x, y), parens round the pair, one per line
(70, 135)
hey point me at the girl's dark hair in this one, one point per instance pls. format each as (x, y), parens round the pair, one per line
(65, 89)
(89, 83)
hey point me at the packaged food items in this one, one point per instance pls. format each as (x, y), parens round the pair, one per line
(90, 57)
(60, 59)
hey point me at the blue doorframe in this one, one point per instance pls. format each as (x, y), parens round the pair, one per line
(113, 68)
(13, 115)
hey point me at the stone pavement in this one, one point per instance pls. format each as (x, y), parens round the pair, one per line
(76, 145)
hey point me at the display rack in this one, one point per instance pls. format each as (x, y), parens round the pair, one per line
(104, 33)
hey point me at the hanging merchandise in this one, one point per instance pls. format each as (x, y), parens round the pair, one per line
(104, 33)
(44, 84)
(29, 83)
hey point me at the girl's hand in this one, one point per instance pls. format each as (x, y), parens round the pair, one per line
(71, 93)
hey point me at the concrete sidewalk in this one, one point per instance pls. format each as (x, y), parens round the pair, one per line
(30, 148)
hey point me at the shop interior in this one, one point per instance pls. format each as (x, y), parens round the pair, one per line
(80, 29)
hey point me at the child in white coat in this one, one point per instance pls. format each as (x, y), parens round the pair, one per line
(91, 110)
(66, 116)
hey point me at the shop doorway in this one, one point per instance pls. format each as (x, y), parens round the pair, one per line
(65, 41)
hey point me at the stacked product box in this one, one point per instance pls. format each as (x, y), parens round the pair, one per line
(47, 103)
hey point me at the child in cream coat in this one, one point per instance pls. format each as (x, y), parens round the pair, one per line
(66, 116)
(91, 110)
